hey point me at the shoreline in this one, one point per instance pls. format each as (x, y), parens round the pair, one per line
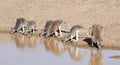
(79, 44)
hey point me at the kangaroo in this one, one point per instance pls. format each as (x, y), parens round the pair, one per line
(31, 25)
(19, 26)
(47, 28)
(96, 32)
(56, 28)
(74, 33)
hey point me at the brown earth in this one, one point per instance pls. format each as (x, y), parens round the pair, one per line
(82, 12)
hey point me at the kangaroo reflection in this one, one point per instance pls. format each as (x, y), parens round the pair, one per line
(19, 40)
(30, 41)
(75, 52)
(96, 58)
(53, 45)
(22, 41)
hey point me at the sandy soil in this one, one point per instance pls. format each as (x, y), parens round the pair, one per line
(82, 12)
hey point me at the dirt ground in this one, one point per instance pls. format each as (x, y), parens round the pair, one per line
(82, 12)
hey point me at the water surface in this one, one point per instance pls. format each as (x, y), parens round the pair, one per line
(32, 50)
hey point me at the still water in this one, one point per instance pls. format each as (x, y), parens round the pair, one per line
(32, 50)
